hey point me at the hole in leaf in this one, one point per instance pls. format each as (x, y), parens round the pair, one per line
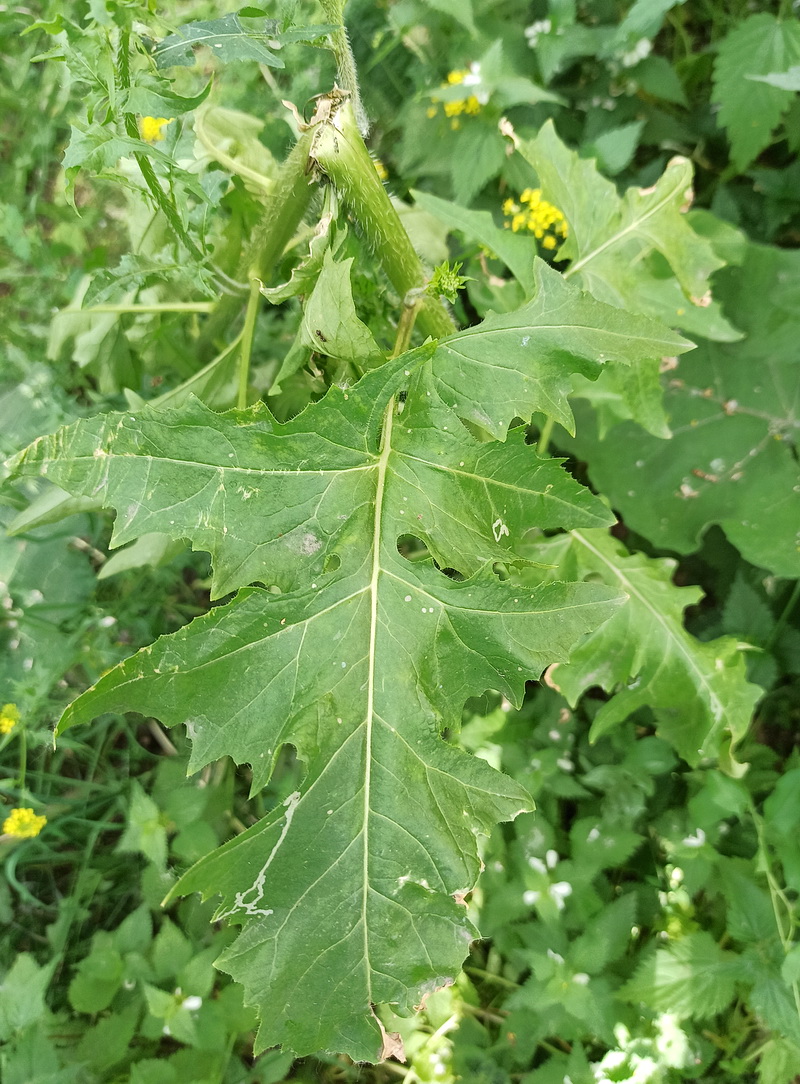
(411, 547)
(332, 562)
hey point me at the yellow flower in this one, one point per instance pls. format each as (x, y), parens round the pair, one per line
(432, 110)
(9, 717)
(457, 76)
(23, 823)
(152, 128)
(537, 216)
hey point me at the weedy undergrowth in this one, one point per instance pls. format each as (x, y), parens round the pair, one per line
(389, 532)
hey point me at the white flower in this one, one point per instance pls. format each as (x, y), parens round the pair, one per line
(559, 892)
(532, 32)
(641, 49)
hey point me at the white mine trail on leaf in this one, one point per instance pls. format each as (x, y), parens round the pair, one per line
(499, 529)
(250, 907)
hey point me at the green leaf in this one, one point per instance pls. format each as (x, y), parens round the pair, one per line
(773, 1001)
(750, 915)
(778, 1062)
(615, 147)
(516, 363)
(350, 888)
(151, 550)
(516, 251)
(692, 977)
(109, 1041)
(229, 39)
(156, 100)
(733, 412)
(483, 147)
(644, 18)
(100, 148)
(330, 324)
(458, 10)
(606, 936)
(610, 238)
(698, 691)
(145, 832)
(22, 994)
(98, 978)
(750, 110)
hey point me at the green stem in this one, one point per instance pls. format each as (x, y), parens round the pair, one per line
(23, 758)
(247, 340)
(784, 617)
(283, 211)
(346, 73)
(777, 897)
(544, 436)
(405, 325)
(340, 154)
(162, 201)
(167, 306)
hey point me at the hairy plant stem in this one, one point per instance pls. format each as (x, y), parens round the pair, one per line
(340, 154)
(346, 73)
(283, 211)
(247, 340)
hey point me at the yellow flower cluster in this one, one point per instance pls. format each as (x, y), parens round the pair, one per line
(23, 823)
(9, 717)
(152, 128)
(545, 222)
(468, 106)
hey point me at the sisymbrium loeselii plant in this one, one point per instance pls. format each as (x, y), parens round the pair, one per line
(389, 533)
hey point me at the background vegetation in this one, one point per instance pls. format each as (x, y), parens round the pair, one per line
(641, 925)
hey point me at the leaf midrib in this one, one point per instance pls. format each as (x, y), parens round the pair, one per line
(714, 702)
(617, 237)
(380, 489)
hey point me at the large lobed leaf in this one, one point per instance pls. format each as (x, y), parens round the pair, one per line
(735, 413)
(615, 243)
(698, 691)
(350, 891)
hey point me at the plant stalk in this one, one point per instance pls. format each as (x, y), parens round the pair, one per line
(346, 72)
(339, 153)
(283, 211)
(247, 340)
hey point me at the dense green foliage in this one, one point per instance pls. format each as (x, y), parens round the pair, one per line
(446, 505)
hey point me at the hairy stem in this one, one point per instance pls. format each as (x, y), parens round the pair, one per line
(340, 154)
(346, 73)
(161, 199)
(283, 211)
(247, 340)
